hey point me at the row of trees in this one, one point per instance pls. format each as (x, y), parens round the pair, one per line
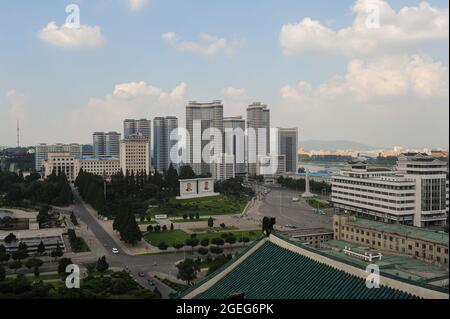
(300, 184)
(28, 191)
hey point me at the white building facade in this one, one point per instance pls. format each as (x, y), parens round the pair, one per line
(413, 194)
(135, 155)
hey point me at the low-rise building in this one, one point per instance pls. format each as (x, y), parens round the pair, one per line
(102, 166)
(60, 163)
(420, 243)
(313, 237)
(415, 193)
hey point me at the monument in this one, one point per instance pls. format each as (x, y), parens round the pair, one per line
(307, 193)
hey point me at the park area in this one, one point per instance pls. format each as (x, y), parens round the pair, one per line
(206, 206)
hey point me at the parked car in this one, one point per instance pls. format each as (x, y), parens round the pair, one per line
(115, 251)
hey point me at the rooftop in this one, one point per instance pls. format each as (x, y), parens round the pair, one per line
(403, 230)
(279, 268)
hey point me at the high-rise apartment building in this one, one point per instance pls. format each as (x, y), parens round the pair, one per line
(42, 151)
(162, 145)
(200, 117)
(258, 134)
(234, 128)
(134, 154)
(223, 167)
(106, 144)
(140, 126)
(287, 142)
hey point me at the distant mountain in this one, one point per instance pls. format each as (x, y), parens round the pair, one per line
(334, 145)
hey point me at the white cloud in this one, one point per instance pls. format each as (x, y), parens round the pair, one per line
(386, 100)
(68, 37)
(129, 100)
(137, 5)
(209, 45)
(408, 27)
(383, 78)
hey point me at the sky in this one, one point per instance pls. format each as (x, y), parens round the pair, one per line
(369, 71)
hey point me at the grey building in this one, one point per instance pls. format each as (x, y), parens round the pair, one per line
(234, 128)
(162, 145)
(258, 127)
(106, 144)
(287, 145)
(199, 117)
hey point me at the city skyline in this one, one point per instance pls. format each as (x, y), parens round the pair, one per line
(78, 87)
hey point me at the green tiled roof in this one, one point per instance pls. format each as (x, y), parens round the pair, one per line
(275, 272)
(402, 229)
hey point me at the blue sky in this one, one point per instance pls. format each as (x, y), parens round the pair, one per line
(70, 91)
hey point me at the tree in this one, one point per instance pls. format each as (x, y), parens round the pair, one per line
(205, 242)
(21, 252)
(15, 265)
(203, 251)
(62, 265)
(33, 263)
(58, 252)
(187, 270)
(149, 228)
(2, 273)
(193, 241)
(10, 238)
(186, 172)
(178, 246)
(210, 222)
(171, 226)
(102, 265)
(185, 216)
(163, 246)
(73, 218)
(36, 271)
(197, 215)
(41, 248)
(164, 227)
(222, 225)
(231, 239)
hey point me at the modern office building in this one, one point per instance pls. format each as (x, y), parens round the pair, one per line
(258, 134)
(200, 117)
(413, 194)
(102, 166)
(234, 128)
(60, 163)
(42, 151)
(134, 154)
(287, 142)
(420, 243)
(162, 145)
(223, 167)
(106, 144)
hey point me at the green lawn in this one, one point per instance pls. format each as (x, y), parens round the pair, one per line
(206, 206)
(179, 236)
(317, 203)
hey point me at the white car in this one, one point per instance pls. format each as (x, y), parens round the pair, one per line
(115, 251)
(295, 199)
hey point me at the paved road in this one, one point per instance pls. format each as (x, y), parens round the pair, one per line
(134, 264)
(278, 203)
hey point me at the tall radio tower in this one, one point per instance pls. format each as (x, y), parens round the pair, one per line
(18, 134)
